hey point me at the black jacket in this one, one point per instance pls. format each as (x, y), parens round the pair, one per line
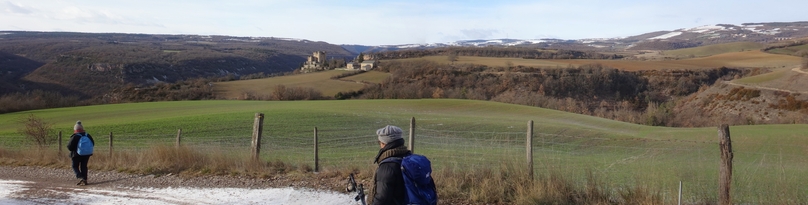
(389, 189)
(73, 144)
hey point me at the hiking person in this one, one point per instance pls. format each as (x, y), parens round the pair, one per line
(81, 148)
(388, 179)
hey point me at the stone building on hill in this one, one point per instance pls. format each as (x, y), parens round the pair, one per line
(315, 62)
(353, 65)
(362, 62)
(368, 65)
(364, 65)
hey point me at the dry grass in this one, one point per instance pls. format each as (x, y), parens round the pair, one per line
(157, 160)
(509, 184)
(506, 184)
(370, 76)
(734, 59)
(320, 81)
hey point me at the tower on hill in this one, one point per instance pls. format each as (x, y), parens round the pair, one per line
(315, 62)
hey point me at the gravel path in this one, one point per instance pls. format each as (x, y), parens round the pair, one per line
(58, 185)
(797, 69)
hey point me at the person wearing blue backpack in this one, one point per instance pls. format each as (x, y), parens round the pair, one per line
(401, 177)
(81, 148)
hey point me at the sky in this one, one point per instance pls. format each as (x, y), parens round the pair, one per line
(391, 22)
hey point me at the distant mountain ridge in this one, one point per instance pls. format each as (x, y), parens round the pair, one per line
(658, 40)
(92, 64)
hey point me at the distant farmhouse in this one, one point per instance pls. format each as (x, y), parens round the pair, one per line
(364, 65)
(362, 62)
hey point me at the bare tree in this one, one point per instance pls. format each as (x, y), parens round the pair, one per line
(805, 63)
(452, 57)
(36, 130)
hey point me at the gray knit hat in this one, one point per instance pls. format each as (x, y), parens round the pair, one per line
(78, 126)
(389, 134)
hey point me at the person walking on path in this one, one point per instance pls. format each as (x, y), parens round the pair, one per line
(81, 148)
(388, 179)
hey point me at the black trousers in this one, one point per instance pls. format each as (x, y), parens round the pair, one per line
(80, 166)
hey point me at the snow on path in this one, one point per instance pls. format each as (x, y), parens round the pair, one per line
(797, 69)
(11, 193)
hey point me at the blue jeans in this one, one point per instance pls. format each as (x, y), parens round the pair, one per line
(80, 166)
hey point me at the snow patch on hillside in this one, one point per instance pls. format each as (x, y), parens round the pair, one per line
(668, 35)
(706, 29)
(409, 46)
(757, 29)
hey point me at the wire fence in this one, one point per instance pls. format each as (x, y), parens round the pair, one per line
(760, 174)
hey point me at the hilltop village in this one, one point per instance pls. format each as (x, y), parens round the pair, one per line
(318, 62)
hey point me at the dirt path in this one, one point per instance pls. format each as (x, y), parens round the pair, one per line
(765, 88)
(40, 185)
(797, 69)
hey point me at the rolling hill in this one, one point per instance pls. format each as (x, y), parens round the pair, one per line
(747, 59)
(93, 64)
(14, 69)
(715, 49)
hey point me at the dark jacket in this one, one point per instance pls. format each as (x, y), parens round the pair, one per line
(73, 144)
(389, 182)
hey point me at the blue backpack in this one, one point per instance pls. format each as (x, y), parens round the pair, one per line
(85, 146)
(417, 171)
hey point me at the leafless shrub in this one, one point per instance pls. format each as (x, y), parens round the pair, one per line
(37, 130)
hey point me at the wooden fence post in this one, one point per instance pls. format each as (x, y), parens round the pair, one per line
(110, 144)
(680, 193)
(412, 135)
(529, 149)
(179, 135)
(725, 170)
(258, 127)
(60, 142)
(316, 153)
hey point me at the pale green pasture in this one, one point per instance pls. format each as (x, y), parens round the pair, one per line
(790, 50)
(769, 159)
(762, 78)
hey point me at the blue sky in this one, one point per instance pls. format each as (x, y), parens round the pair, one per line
(387, 22)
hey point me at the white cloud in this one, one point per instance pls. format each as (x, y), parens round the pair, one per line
(17, 8)
(479, 33)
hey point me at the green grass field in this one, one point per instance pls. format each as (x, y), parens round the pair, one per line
(320, 81)
(716, 49)
(769, 159)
